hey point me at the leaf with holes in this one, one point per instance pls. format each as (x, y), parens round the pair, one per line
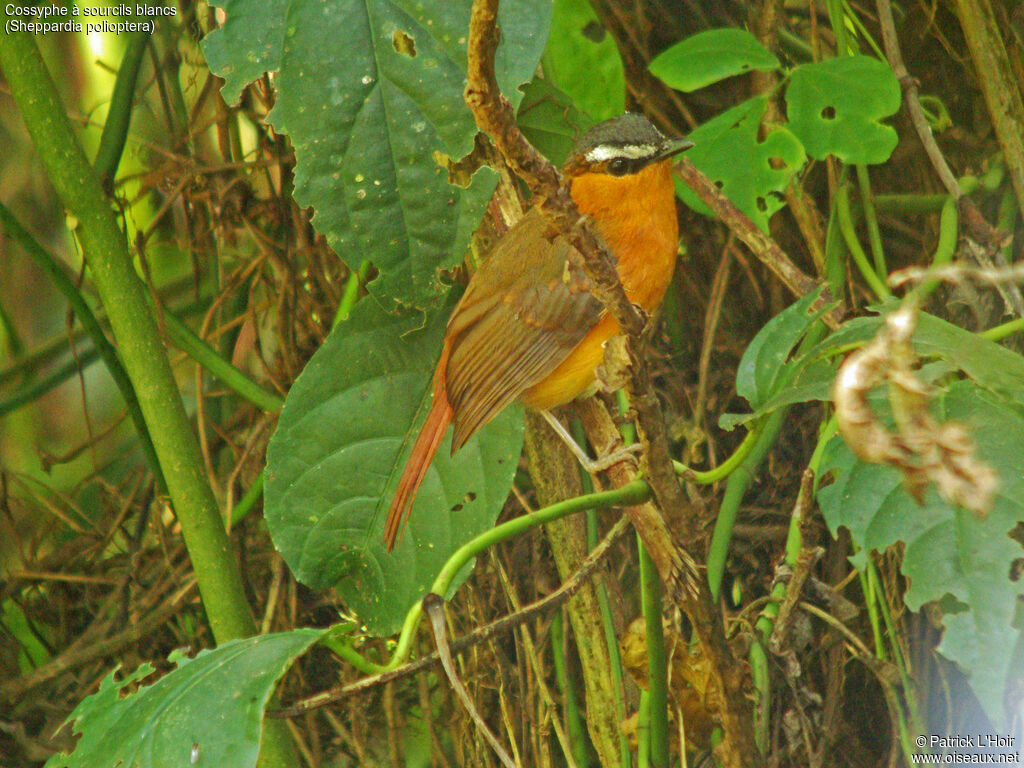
(334, 461)
(371, 96)
(581, 53)
(949, 551)
(836, 107)
(207, 711)
(751, 172)
(710, 56)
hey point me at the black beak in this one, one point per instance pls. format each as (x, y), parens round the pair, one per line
(673, 147)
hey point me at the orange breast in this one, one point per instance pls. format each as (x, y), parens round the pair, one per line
(636, 216)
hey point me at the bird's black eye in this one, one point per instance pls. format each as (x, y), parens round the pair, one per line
(618, 166)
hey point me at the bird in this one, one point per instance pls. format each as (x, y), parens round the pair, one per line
(527, 326)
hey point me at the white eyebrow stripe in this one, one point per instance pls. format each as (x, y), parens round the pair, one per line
(606, 152)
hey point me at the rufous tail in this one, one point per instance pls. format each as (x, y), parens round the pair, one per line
(423, 451)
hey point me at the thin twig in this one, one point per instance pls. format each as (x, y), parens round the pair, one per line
(433, 606)
(978, 230)
(761, 245)
(506, 623)
(494, 116)
(77, 655)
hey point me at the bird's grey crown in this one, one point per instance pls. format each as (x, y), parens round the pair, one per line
(630, 136)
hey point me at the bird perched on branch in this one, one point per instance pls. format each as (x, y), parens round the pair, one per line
(527, 326)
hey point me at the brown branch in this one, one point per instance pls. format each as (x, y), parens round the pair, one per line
(762, 246)
(893, 53)
(684, 583)
(997, 83)
(975, 224)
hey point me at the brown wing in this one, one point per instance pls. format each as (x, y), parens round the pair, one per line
(523, 312)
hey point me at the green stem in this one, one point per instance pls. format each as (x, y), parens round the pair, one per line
(188, 342)
(630, 494)
(864, 31)
(727, 467)
(903, 205)
(351, 292)
(837, 19)
(871, 220)
(910, 204)
(868, 588)
(880, 289)
(657, 665)
(27, 364)
(83, 311)
(142, 351)
(643, 728)
(835, 252)
(946, 248)
(247, 503)
(135, 330)
(119, 115)
(739, 480)
(39, 387)
(574, 723)
(1002, 331)
(10, 333)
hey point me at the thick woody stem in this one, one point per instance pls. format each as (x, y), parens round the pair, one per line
(677, 567)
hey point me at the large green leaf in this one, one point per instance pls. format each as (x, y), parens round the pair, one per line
(751, 172)
(368, 93)
(836, 107)
(710, 56)
(949, 551)
(332, 466)
(210, 708)
(549, 120)
(583, 60)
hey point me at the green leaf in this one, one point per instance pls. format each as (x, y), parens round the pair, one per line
(948, 551)
(812, 380)
(583, 60)
(346, 428)
(988, 364)
(727, 149)
(368, 93)
(210, 706)
(836, 108)
(549, 120)
(31, 650)
(708, 57)
(762, 367)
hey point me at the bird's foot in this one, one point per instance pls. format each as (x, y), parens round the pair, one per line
(611, 458)
(593, 466)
